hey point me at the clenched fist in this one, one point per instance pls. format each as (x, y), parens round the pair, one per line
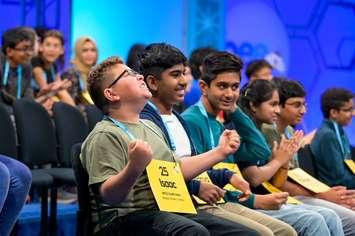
(139, 153)
(229, 142)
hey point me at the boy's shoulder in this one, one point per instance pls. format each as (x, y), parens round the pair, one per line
(191, 112)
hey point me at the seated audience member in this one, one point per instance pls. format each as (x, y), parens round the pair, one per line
(133, 56)
(118, 150)
(194, 93)
(330, 145)
(292, 109)
(259, 69)
(15, 183)
(220, 91)
(163, 67)
(15, 69)
(85, 57)
(45, 70)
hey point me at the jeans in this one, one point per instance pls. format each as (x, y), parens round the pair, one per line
(165, 223)
(15, 182)
(309, 220)
(346, 215)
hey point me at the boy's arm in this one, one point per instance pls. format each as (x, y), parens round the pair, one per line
(116, 188)
(253, 143)
(193, 166)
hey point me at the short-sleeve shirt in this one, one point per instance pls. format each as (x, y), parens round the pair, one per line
(105, 153)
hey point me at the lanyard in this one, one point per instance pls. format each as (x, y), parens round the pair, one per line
(344, 150)
(121, 125)
(19, 78)
(172, 143)
(129, 133)
(204, 113)
(288, 134)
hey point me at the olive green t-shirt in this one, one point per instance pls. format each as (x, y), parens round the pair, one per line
(105, 153)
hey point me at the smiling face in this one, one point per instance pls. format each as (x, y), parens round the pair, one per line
(222, 93)
(129, 88)
(21, 54)
(51, 49)
(267, 112)
(293, 110)
(344, 114)
(170, 87)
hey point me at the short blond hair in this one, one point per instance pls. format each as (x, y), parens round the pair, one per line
(97, 75)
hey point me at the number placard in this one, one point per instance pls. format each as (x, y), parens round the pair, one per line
(169, 187)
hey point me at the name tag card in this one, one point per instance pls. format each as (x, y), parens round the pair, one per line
(351, 165)
(232, 167)
(307, 181)
(87, 97)
(169, 187)
(272, 189)
(203, 177)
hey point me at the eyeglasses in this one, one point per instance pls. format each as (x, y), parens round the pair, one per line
(350, 109)
(297, 105)
(26, 49)
(129, 72)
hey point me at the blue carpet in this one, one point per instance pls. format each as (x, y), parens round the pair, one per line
(29, 220)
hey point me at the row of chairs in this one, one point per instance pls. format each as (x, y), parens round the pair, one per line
(44, 142)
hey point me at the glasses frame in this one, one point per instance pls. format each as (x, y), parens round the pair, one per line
(118, 77)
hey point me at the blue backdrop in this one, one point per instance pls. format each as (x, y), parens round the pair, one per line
(311, 41)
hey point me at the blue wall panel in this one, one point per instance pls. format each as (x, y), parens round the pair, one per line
(315, 39)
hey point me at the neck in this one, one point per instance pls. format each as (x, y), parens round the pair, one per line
(12, 63)
(209, 107)
(281, 126)
(125, 113)
(164, 108)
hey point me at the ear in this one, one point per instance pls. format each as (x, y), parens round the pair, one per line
(252, 107)
(110, 95)
(9, 51)
(333, 113)
(152, 83)
(204, 87)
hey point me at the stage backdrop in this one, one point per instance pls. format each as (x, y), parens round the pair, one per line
(310, 41)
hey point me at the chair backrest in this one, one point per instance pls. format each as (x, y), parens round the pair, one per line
(35, 133)
(7, 134)
(94, 115)
(71, 128)
(306, 160)
(84, 225)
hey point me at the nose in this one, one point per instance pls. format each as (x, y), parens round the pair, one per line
(139, 77)
(277, 109)
(229, 92)
(183, 80)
